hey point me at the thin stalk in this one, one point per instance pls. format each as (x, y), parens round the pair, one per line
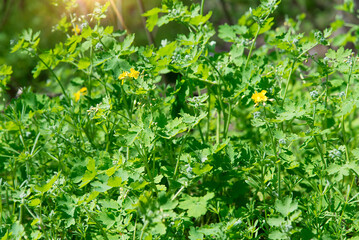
(208, 116)
(225, 130)
(252, 46)
(180, 153)
(345, 97)
(287, 84)
(57, 79)
(320, 151)
(90, 73)
(218, 130)
(144, 158)
(149, 35)
(177, 193)
(129, 117)
(97, 224)
(345, 204)
(274, 148)
(119, 16)
(134, 231)
(202, 4)
(0, 201)
(143, 229)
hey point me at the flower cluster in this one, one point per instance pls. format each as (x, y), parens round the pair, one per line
(132, 74)
(259, 97)
(78, 94)
(77, 30)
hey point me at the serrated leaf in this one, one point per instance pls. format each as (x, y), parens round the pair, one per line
(196, 206)
(277, 235)
(200, 170)
(92, 196)
(276, 222)
(114, 181)
(48, 185)
(90, 173)
(286, 206)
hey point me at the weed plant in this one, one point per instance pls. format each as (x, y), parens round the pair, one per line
(180, 141)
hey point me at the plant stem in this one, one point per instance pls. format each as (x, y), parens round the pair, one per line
(180, 153)
(97, 224)
(202, 4)
(225, 130)
(252, 46)
(218, 130)
(209, 115)
(149, 35)
(287, 84)
(274, 148)
(119, 16)
(57, 79)
(345, 97)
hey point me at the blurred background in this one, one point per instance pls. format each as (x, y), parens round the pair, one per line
(43, 15)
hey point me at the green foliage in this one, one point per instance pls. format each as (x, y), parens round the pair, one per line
(183, 141)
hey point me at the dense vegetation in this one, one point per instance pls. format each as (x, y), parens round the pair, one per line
(180, 139)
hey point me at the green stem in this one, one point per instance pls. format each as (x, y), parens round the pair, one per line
(180, 153)
(287, 84)
(98, 224)
(202, 4)
(57, 79)
(218, 130)
(225, 130)
(274, 148)
(144, 158)
(208, 116)
(320, 151)
(345, 97)
(252, 46)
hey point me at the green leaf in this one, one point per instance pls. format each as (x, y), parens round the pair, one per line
(199, 20)
(348, 107)
(276, 222)
(90, 173)
(167, 50)
(34, 202)
(229, 33)
(277, 235)
(48, 185)
(195, 206)
(194, 234)
(114, 181)
(108, 219)
(152, 18)
(92, 196)
(17, 231)
(117, 66)
(83, 63)
(198, 170)
(286, 206)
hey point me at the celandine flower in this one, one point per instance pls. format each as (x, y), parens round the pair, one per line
(132, 74)
(78, 94)
(123, 76)
(77, 30)
(259, 97)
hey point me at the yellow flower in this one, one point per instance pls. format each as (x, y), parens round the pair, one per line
(78, 94)
(76, 30)
(123, 76)
(259, 97)
(134, 74)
